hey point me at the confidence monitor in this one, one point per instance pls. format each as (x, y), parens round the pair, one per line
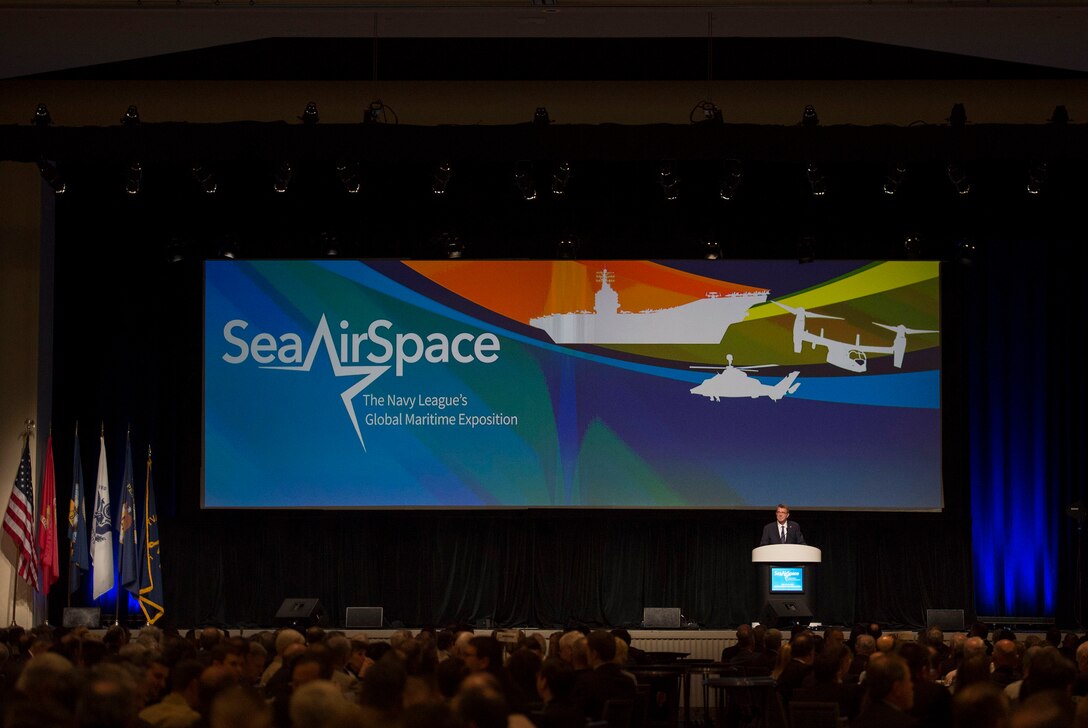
(787, 580)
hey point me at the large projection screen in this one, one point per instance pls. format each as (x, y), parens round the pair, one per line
(585, 384)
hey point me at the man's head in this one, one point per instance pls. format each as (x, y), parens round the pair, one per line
(865, 645)
(232, 656)
(601, 647)
(782, 513)
(888, 678)
(973, 647)
(885, 643)
(484, 654)
(1005, 654)
(1082, 658)
(802, 648)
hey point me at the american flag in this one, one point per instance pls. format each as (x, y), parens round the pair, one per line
(19, 520)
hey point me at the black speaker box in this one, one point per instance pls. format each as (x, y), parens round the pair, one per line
(90, 617)
(945, 619)
(661, 617)
(356, 617)
(301, 612)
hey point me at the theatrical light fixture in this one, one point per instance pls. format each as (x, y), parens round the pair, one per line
(1036, 178)
(712, 249)
(134, 178)
(451, 246)
(348, 172)
(967, 251)
(309, 114)
(41, 116)
(330, 246)
(228, 249)
(895, 176)
(560, 179)
(958, 178)
(816, 180)
(175, 251)
(282, 177)
(732, 175)
(540, 117)
(957, 119)
(441, 178)
(809, 119)
(567, 249)
(379, 113)
(670, 184)
(523, 178)
(52, 177)
(806, 249)
(705, 112)
(205, 178)
(131, 117)
(912, 246)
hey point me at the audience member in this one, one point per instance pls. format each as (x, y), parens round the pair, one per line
(604, 680)
(889, 694)
(980, 705)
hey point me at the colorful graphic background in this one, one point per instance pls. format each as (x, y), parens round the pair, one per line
(598, 426)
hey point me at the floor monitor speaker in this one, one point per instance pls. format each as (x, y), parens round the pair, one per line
(301, 612)
(661, 617)
(357, 617)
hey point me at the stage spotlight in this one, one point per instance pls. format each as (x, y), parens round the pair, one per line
(228, 248)
(380, 113)
(967, 251)
(957, 119)
(560, 179)
(205, 178)
(175, 251)
(894, 178)
(670, 184)
(912, 246)
(282, 177)
(1037, 174)
(806, 249)
(816, 180)
(1060, 116)
(809, 119)
(41, 116)
(131, 117)
(958, 178)
(134, 178)
(732, 176)
(330, 245)
(712, 249)
(540, 117)
(441, 178)
(567, 249)
(705, 112)
(348, 172)
(309, 114)
(523, 178)
(451, 246)
(52, 177)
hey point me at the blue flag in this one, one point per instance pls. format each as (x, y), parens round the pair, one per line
(79, 557)
(126, 528)
(150, 569)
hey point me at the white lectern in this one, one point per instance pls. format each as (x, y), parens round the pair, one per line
(787, 581)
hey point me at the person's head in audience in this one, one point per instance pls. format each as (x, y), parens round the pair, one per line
(319, 704)
(802, 648)
(156, 677)
(566, 645)
(620, 658)
(933, 637)
(555, 682)
(759, 634)
(523, 667)
(108, 699)
(919, 659)
(448, 676)
(885, 643)
(1045, 709)
(973, 669)
(1082, 658)
(479, 704)
(1054, 637)
(381, 689)
(600, 648)
(209, 638)
(980, 630)
(1048, 671)
(865, 645)
(314, 635)
(443, 641)
(287, 637)
(887, 678)
(232, 656)
(834, 634)
(980, 705)
(1033, 640)
(623, 635)
(1004, 634)
(44, 675)
(772, 640)
(256, 661)
(1005, 655)
(831, 665)
(238, 706)
(874, 630)
(213, 680)
(974, 646)
(185, 681)
(483, 654)
(460, 643)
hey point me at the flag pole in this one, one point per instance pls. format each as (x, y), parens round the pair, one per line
(71, 543)
(28, 427)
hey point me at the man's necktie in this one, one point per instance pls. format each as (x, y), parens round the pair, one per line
(782, 533)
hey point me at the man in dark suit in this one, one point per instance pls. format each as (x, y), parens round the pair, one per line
(604, 681)
(783, 530)
(890, 694)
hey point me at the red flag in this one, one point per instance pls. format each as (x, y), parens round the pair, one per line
(47, 526)
(19, 520)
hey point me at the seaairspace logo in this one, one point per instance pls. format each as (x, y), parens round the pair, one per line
(383, 348)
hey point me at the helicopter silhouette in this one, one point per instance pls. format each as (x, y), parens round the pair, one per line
(852, 357)
(731, 381)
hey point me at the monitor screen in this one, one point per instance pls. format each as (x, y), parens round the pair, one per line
(787, 579)
(562, 383)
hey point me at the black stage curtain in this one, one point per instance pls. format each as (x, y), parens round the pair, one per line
(127, 352)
